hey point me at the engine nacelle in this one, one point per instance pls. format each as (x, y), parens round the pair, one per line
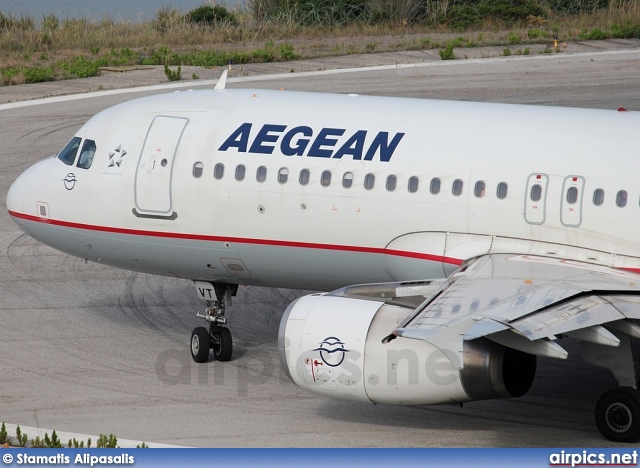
(332, 346)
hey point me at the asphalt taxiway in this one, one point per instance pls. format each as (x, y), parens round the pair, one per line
(89, 349)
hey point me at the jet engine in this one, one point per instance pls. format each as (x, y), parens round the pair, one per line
(338, 346)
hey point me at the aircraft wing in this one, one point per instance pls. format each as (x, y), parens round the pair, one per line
(526, 303)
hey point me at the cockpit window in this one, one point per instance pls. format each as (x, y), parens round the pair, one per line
(86, 154)
(69, 152)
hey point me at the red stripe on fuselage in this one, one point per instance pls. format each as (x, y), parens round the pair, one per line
(241, 240)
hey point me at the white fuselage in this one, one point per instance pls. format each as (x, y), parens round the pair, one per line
(451, 181)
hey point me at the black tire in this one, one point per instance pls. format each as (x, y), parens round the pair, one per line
(222, 345)
(618, 415)
(200, 344)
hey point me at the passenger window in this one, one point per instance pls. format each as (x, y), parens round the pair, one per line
(369, 181)
(536, 192)
(413, 184)
(283, 175)
(456, 188)
(325, 179)
(304, 177)
(391, 183)
(598, 197)
(261, 174)
(240, 170)
(347, 180)
(218, 171)
(435, 186)
(69, 152)
(502, 190)
(87, 153)
(197, 170)
(621, 198)
(572, 195)
(478, 190)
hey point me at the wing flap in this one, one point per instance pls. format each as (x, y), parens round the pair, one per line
(544, 347)
(525, 303)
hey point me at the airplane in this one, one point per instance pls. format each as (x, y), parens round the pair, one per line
(459, 240)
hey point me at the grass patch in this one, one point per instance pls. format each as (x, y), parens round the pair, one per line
(281, 30)
(20, 440)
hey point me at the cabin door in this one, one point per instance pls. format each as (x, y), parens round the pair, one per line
(155, 167)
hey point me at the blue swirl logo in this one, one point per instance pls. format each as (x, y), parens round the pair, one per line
(332, 351)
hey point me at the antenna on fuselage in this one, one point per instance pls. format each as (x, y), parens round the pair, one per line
(222, 81)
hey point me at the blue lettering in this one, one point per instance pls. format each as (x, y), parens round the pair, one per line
(238, 139)
(317, 150)
(353, 146)
(264, 136)
(301, 143)
(381, 142)
(296, 141)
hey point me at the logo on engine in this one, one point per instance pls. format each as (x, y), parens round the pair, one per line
(332, 351)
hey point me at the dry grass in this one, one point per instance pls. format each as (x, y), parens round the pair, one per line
(27, 44)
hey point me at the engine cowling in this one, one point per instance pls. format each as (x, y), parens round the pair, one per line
(333, 346)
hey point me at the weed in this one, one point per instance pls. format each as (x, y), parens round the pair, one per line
(195, 77)
(513, 38)
(506, 52)
(171, 74)
(73, 443)
(50, 22)
(95, 50)
(625, 32)
(534, 33)
(21, 438)
(52, 442)
(82, 67)
(286, 52)
(447, 52)
(104, 441)
(211, 16)
(38, 74)
(595, 34)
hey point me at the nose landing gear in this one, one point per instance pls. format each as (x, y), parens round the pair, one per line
(216, 337)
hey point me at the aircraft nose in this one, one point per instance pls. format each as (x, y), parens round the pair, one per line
(15, 196)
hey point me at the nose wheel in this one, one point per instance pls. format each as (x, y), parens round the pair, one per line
(215, 337)
(221, 344)
(200, 344)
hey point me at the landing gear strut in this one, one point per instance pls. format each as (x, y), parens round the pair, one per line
(216, 337)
